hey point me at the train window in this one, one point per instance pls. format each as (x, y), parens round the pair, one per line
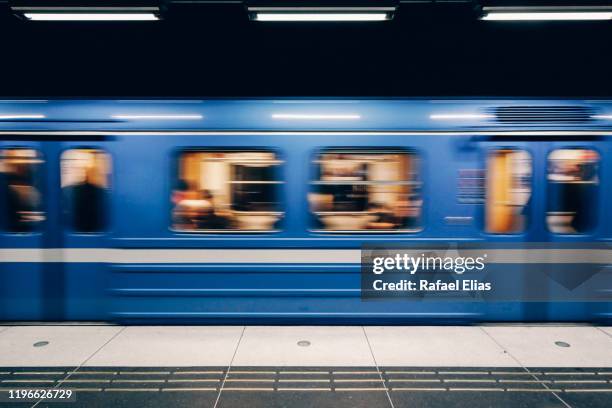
(508, 191)
(573, 183)
(227, 191)
(21, 172)
(366, 191)
(85, 177)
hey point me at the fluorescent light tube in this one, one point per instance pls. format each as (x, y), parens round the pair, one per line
(321, 16)
(604, 117)
(548, 16)
(301, 116)
(157, 117)
(91, 16)
(21, 116)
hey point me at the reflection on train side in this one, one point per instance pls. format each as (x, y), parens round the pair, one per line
(573, 184)
(366, 191)
(21, 172)
(233, 190)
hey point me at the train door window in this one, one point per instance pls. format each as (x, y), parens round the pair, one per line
(573, 184)
(85, 175)
(227, 191)
(508, 190)
(366, 191)
(21, 172)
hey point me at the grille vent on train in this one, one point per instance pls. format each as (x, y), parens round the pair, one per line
(543, 114)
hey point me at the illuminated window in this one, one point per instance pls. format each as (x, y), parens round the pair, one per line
(508, 191)
(21, 170)
(227, 190)
(573, 185)
(85, 181)
(366, 191)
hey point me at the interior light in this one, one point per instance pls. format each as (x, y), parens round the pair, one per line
(604, 117)
(300, 116)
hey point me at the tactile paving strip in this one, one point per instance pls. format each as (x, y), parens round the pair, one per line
(319, 379)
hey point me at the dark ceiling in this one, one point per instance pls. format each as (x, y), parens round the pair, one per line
(214, 51)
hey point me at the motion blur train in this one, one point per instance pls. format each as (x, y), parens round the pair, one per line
(255, 210)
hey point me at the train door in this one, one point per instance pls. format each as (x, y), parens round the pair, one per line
(509, 215)
(25, 244)
(84, 182)
(575, 189)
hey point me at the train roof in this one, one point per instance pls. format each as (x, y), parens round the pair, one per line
(304, 114)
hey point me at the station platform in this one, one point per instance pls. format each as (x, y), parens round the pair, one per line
(309, 366)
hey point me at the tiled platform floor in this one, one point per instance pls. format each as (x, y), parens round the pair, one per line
(298, 366)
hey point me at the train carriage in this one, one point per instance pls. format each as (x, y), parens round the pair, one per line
(253, 210)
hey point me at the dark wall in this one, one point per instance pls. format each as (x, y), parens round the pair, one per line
(216, 51)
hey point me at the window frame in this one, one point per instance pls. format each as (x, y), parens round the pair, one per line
(280, 173)
(529, 206)
(41, 186)
(316, 154)
(68, 227)
(590, 231)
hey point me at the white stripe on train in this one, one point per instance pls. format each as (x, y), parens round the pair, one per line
(280, 256)
(518, 133)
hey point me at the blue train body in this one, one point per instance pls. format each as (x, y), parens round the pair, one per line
(140, 269)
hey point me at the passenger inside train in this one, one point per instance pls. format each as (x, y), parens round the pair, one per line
(572, 184)
(23, 204)
(226, 191)
(366, 191)
(85, 174)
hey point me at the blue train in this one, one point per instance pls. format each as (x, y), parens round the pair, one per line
(253, 210)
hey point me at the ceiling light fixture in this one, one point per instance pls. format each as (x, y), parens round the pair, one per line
(320, 16)
(87, 10)
(319, 11)
(91, 16)
(547, 13)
